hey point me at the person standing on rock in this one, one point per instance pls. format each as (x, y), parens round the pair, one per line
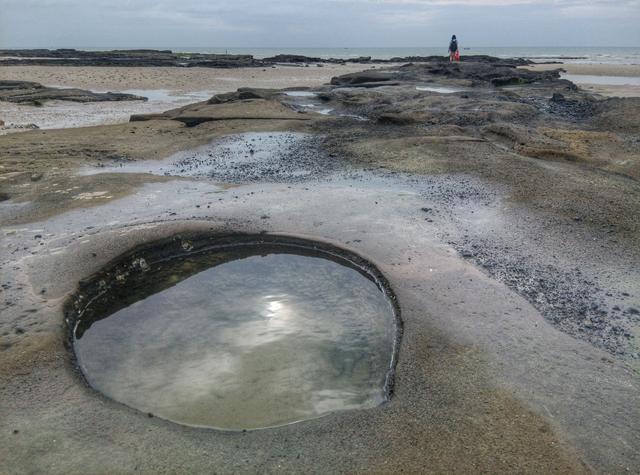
(454, 51)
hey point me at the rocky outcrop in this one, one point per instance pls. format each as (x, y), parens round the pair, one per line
(363, 78)
(24, 92)
(145, 57)
(244, 93)
(300, 59)
(243, 105)
(481, 73)
(474, 58)
(137, 58)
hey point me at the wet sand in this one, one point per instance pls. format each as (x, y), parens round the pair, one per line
(177, 79)
(613, 80)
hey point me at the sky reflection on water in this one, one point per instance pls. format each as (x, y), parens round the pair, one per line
(255, 342)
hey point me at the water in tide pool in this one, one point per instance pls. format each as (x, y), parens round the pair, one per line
(256, 341)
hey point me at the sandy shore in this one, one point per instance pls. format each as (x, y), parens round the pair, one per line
(610, 90)
(166, 88)
(625, 70)
(182, 80)
(613, 80)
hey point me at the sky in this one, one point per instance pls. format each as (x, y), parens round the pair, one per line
(317, 23)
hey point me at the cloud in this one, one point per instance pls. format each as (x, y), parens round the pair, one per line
(314, 22)
(407, 19)
(600, 9)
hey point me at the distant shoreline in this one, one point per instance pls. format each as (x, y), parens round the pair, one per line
(171, 87)
(571, 54)
(168, 58)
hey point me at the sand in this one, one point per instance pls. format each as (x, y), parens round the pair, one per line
(176, 79)
(612, 80)
(610, 90)
(166, 88)
(626, 70)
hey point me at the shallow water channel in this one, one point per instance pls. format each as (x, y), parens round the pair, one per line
(245, 339)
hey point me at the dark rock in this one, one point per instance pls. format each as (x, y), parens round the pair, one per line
(243, 94)
(127, 58)
(371, 77)
(292, 58)
(24, 92)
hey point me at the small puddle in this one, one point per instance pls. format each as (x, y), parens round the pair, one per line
(300, 94)
(238, 337)
(307, 101)
(440, 89)
(169, 96)
(318, 108)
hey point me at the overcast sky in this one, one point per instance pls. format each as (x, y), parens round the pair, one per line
(317, 23)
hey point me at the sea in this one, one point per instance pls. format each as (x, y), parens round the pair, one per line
(567, 54)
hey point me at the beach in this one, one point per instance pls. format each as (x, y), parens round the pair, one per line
(496, 206)
(613, 80)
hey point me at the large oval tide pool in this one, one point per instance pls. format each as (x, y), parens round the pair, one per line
(245, 339)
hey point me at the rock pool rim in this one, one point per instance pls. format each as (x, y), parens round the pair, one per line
(184, 245)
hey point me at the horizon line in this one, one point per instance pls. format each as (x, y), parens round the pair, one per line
(78, 47)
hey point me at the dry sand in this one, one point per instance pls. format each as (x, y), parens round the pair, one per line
(166, 88)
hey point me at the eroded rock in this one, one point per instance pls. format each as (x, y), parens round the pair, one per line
(25, 92)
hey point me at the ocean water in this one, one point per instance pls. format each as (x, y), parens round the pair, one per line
(603, 55)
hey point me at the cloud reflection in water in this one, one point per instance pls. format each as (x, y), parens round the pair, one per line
(255, 342)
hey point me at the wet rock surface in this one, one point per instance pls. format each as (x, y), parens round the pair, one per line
(479, 73)
(264, 157)
(238, 107)
(24, 92)
(123, 58)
